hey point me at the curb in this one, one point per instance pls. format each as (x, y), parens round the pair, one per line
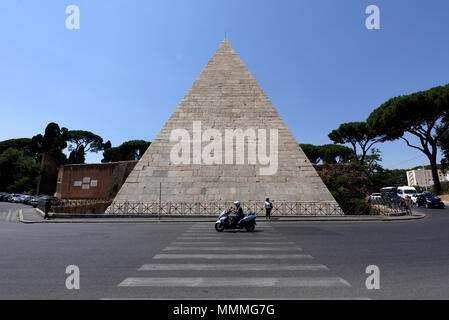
(96, 218)
(22, 220)
(42, 213)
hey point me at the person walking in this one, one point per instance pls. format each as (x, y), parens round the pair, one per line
(268, 207)
(407, 205)
(47, 207)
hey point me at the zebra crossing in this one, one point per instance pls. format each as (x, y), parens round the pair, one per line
(204, 264)
(9, 216)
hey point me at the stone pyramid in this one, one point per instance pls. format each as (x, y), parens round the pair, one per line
(225, 96)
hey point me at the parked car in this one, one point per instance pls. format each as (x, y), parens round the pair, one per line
(14, 197)
(429, 201)
(4, 197)
(34, 201)
(375, 197)
(393, 197)
(26, 199)
(17, 198)
(414, 198)
(22, 198)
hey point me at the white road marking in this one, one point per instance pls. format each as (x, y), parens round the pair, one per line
(249, 298)
(213, 223)
(235, 282)
(239, 248)
(222, 242)
(211, 234)
(205, 238)
(230, 238)
(230, 230)
(233, 267)
(8, 216)
(212, 227)
(232, 256)
(243, 230)
(212, 230)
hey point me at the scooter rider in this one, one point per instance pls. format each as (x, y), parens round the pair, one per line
(238, 213)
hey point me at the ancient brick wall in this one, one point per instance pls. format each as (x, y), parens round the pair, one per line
(92, 181)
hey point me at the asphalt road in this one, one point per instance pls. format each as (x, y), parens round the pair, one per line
(281, 260)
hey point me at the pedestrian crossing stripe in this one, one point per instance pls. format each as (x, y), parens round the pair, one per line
(233, 248)
(10, 216)
(232, 256)
(246, 298)
(221, 243)
(227, 238)
(233, 267)
(212, 226)
(235, 282)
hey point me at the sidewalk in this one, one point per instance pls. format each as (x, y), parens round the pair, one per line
(37, 216)
(30, 215)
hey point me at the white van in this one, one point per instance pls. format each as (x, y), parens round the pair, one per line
(406, 191)
(389, 190)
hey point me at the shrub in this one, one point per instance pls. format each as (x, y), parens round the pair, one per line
(113, 191)
(348, 184)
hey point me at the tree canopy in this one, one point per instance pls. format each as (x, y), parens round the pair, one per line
(20, 158)
(328, 153)
(423, 114)
(90, 141)
(358, 135)
(81, 142)
(130, 150)
(21, 144)
(36, 146)
(18, 173)
(77, 156)
(312, 152)
(53, 142)
(333, 153)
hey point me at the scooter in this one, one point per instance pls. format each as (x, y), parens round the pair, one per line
(226, 222)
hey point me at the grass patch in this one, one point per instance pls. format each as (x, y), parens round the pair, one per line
(444, 197)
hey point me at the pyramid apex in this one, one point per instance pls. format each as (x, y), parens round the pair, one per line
(225, 40)
(225, 45)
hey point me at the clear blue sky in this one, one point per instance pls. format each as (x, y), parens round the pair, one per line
(124, 72)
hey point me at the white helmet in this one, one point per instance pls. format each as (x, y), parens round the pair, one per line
(237, 203)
